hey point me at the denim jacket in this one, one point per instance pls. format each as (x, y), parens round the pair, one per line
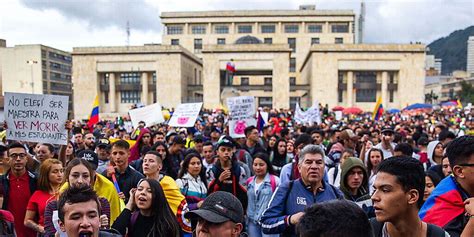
(258, 201)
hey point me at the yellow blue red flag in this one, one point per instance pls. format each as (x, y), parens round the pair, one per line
(378, 110)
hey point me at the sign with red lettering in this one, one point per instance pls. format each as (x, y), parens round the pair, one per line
(36, 118)
(185, 115)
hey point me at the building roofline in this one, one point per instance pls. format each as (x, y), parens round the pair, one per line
(256, 13)
(247, 48)
(146, 49)
(363, 48)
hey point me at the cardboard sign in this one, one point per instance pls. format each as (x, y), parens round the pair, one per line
(185, 115)
(150, 114)
(36, 118)
(241, 114)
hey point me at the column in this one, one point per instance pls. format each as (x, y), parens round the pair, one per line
(211, 81)
(144, 97)
(384, 88)
(112, 100)
(280, 83)
(350, 88)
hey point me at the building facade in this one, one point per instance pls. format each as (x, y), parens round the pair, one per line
(470, 55)
(130, 75)
(36, 69)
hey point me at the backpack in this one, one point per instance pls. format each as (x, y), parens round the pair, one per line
(272, 182)
(432, 231)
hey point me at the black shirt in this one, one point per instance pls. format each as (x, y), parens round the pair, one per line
(126, 181)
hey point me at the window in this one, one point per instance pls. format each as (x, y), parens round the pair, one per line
(197, 45)
(106, 97)
(244, 29)
(244, 81)
(174, 30)
(268, 29)
(339, 41)
(315, 28)
(198, 30)
(292, 81)
(265, 102)
(314, 41)
(291, 28)
(105, 79)
(221, 41)
(368, 84)
(292, 64)
(221, 29)
(267, 81)
(130, 96)
(267, 40)
(293, 102)
(292, 43)
(153, 78)
(340, 28)
(130, 78)
(174, 41)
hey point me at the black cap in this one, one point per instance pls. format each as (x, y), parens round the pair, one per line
(103, 143)
(226, 141)
(219, 207)
(387, 129)
(89, 156)
(179, 140)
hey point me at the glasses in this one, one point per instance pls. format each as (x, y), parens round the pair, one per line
(468, 165)
(16, 155)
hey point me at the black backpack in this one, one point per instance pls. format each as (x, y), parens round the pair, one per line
(433, 230)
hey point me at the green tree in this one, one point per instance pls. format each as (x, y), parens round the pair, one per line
(466, 95)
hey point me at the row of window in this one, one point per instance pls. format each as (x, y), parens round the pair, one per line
(267, 81)
(60, 67)
(369, 94)
(268, 102)
(222, 41)
(264, 29)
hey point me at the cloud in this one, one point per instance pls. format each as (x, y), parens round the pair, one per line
(101, 14)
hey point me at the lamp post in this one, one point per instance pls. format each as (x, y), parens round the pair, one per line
(31, 63)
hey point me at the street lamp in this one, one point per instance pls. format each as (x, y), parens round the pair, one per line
(31, 63)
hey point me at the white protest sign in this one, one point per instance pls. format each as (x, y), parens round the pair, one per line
(36, 118)
(300, 115)
(185, 115)
(338, 115)
(150, 114)
(313, 114)
(241, 114)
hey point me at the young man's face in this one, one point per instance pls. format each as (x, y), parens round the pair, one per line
(81, 218)
(317, 138)
(226, 229)
(207, 152)
(389, 199)
(89, 140)
(159, 138)
(224, 153)
(18, 159)
(120, 156)
(355, 176)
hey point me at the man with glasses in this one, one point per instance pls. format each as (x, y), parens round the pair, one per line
(386, 145)
(446, 205)
(17, 186)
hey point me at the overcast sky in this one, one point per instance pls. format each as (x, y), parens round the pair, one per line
(64, 24)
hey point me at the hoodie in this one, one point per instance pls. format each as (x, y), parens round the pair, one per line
(362, 192)
(430, 150)
(136, 149)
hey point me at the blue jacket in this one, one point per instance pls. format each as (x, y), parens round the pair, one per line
(291, 198)
(258, 202)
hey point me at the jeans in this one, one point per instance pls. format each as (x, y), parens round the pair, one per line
(254, 230)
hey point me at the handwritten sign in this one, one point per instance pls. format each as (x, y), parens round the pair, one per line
(36, 118)
(185, 115)
(150, 114)
(241, 114)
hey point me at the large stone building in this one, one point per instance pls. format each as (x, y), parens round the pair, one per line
(470, 55)
(36, 69)
(281, 57)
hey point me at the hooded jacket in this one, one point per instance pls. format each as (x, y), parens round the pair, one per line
(430, 150)
(136, 149)
(363, 191)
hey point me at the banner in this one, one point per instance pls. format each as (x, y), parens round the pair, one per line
(150, 114)
(36, 118)
(241, 114)
(300, 115)
(313, 115)
(185, 115)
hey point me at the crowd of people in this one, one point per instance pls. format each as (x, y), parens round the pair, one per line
(404, 175)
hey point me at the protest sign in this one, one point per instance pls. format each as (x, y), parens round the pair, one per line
(338, 115)
(241, 114)
(300, 115)
(150, 114)
(185, 115)
(36, 118)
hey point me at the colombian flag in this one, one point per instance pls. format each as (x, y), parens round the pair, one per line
(459, 104)
(378, 110)
(94, 117)
(445, 203)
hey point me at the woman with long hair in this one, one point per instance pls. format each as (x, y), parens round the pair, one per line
(259, 192)
(147, 213)
(432, 180)
(79, 172)
(49, 182)
(271, 143)
(192, 181)
(279, 156)
(374, 157)
(167, 168)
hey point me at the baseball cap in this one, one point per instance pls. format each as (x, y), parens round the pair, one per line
(347, 134)
(103, 143)
(179, 140)
(226, 141)
(219, 207)
(89, 156)
(387, 129)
